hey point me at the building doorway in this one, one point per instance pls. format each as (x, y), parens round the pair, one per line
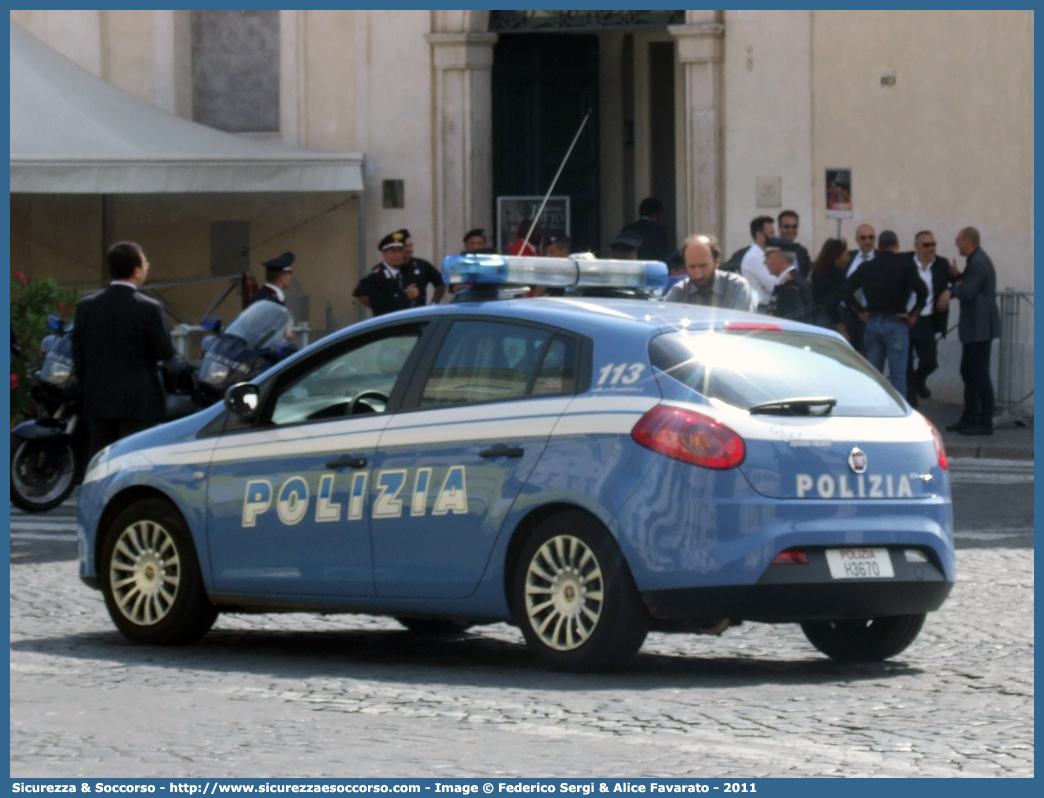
(549, 67)
(543, 85)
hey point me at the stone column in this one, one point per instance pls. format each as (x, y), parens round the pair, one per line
(700, 49)
(463, 135)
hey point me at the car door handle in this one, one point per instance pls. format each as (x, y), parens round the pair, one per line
(500, 450)
(347, 462)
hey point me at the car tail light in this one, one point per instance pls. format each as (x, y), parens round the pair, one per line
(690, 437)
(791, 558)
(940, 449)
(753, 325)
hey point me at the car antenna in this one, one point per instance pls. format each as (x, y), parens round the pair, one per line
(561, 166)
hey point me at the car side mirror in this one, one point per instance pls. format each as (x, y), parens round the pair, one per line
(243, 399)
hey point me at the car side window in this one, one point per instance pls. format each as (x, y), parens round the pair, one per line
(350, 383)
(483, 361)
(557, 373)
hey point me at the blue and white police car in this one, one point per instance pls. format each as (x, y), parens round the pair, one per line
(589, 469)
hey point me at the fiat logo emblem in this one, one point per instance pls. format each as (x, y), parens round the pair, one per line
(857, 460)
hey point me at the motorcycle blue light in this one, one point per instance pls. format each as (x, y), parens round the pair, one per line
(581, 270)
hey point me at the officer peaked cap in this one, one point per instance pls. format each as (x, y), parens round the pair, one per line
(396, 239)
(282, 263)
(627, 239)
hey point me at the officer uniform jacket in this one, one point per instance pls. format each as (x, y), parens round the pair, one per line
(728, 290)
(384, 289)
(977, 292)
(119, 337)
(420, 273)
(792, 297)
(266, 292)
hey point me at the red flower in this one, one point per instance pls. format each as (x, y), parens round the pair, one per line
(14, 382)
(21, 278)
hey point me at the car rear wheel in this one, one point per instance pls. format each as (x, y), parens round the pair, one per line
(434, 627)
(150, 577)
(864, 640)
(574, 597)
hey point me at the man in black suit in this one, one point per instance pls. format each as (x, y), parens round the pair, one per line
(649, 228)
(119, 337)
(787, 223)
(279, 272)
(976, 289)
(935, 274)
(865, 238)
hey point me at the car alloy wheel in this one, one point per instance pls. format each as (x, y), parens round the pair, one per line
(145, 571)
(150, 576)
(573, 595)
(564, 593)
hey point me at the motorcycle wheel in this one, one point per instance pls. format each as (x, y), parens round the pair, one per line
(40, 482)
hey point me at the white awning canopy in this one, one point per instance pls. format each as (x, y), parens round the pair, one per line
(73, 133)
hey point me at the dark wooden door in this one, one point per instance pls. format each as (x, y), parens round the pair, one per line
(543, 84)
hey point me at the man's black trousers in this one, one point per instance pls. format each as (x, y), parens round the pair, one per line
(922, 347)
(978, 389)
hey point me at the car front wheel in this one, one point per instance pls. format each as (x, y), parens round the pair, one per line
(574, 597)
(151, 579)
(864, 640)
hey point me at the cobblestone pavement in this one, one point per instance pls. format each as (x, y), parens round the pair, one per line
(300, 695)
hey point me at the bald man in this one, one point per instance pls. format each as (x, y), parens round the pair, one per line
(707, 284)
(865, 238)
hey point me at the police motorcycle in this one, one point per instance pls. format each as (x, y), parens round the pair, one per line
(257, 339)
(49, 452)
(491, 276)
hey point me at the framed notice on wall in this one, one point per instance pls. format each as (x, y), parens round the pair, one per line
(839, 193)
(513, 212)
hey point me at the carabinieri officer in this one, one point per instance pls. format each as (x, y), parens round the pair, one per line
(278, 273)
(382, 290)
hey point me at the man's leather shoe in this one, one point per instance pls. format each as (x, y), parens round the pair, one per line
(977, 429)
(924, 393)
(958, 426)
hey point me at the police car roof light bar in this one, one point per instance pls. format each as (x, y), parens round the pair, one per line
(580, 270)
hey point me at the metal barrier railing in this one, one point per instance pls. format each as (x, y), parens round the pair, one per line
(1016, 313)
(187, 337)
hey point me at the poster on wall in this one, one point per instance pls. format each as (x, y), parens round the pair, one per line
(515, 214)
(839, 193)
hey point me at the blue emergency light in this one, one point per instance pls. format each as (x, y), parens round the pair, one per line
(581, 270)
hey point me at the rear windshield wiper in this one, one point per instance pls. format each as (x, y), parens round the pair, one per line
(800, 406)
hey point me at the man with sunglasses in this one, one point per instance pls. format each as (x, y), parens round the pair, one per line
(935, 274)
(865, 238)
(788, 222)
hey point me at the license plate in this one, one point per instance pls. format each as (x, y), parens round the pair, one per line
(859, 563)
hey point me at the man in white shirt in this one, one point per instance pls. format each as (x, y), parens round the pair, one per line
(753, 266)
(865, 238)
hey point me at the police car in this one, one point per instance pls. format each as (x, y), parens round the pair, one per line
(588, 469)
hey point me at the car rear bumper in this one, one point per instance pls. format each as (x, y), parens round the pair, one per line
(808, 592)
(777, 603)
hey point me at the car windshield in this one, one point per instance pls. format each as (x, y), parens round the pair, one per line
(765, 367)
(264, 323)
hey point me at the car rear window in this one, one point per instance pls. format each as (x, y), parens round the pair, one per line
(752, 368)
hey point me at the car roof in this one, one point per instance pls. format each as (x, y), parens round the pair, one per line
(591, 316)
